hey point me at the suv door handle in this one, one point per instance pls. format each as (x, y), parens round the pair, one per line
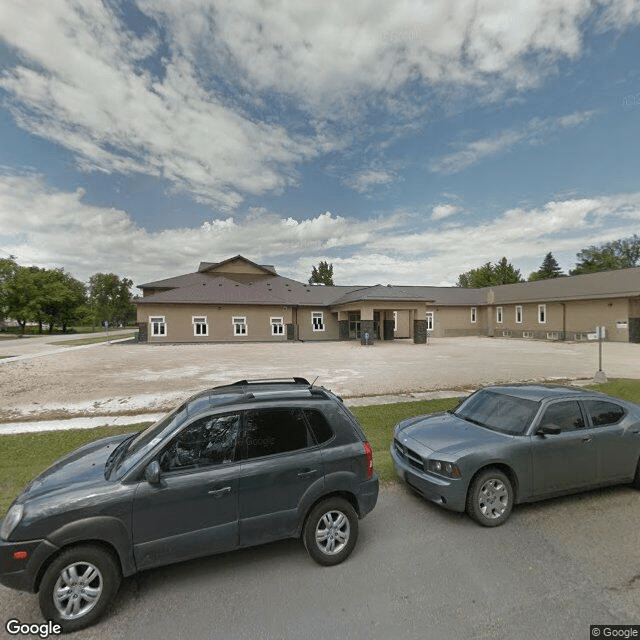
(308, 473)
(218, 493)
(587, 439)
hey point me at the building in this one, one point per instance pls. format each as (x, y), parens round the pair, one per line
(237, 300)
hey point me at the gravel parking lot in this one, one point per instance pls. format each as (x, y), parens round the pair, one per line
(41, 379)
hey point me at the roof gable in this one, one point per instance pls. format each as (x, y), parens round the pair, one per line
(238, 265)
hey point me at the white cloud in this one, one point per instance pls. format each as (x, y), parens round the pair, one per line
(444, 211)
(534, 132)
(51, 228)
(364, 181)
(191, 100)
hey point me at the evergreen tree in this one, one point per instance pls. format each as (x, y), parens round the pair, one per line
(548, 269)
(323, 274)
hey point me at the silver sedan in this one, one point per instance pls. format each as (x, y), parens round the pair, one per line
(518, 443)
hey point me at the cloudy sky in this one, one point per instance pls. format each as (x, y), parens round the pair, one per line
(405, 142)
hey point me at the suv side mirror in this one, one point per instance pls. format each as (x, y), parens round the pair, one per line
(152, 472)
(549, 430)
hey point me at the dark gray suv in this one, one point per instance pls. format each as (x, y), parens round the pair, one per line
(233, 466)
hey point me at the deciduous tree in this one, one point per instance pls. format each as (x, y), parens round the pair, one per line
(489, 275)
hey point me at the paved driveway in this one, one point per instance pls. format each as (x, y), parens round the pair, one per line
(418, 572)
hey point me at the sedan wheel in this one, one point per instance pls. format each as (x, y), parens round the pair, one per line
(490, 498)
(330, 531)
(77, 587)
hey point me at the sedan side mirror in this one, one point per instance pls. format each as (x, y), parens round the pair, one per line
(152, 472)
(549, 430)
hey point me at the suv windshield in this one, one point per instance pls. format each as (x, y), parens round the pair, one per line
(148, 438)
(497, 411)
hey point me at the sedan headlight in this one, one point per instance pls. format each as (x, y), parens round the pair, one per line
(11, 520)
(443, 468)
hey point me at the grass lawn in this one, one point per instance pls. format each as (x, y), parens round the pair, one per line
(26, 455)
(101, 338)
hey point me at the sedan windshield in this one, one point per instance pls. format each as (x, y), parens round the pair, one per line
(497, 411)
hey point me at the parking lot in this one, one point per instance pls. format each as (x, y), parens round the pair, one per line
(42, 379)
(418, 571)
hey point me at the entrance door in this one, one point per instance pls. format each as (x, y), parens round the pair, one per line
(354, 326)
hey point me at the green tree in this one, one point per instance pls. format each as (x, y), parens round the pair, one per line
(323, 274)
(548, 269)
(110, 298)
(32, 294)
(63, 299)
(489, 275)
(609, 256)
(8, 269)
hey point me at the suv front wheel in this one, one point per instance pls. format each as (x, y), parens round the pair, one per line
(330, 531)
(78, 586)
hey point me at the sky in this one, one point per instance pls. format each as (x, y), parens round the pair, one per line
(404, 142)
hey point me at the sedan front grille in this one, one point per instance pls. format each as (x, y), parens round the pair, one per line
(409, 455)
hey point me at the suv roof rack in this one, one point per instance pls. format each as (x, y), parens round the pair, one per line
(293, 380)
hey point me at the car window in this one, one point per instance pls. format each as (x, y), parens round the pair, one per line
(270, 431)
(208, 441)
(498, 411)
(319, 425)
(565, 414)
(603, 413)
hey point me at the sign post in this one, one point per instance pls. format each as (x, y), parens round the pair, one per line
(600, 376)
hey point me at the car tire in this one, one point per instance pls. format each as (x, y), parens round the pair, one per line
(331, 531)
(78, 586)
(490, 498)
(636, 478)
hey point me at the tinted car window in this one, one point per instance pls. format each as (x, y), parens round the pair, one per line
(603, 413)
(498, 411)
(207, 441)
(269, 431)
(319, 425)
(566, 415)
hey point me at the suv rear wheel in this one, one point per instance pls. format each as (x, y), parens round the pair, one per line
(330, 531)
(78, 586)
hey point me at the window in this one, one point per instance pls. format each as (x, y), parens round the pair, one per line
(317, 320)
(566, 415)
(519, 314)
(499, 315)
(200, 327)
(271, 431)
(239, 325)
(429, 320)
(474, 315)
(277, 326)
(158, 326)
(207, 441)
(319, 425)
(603, 413)
(542, 313)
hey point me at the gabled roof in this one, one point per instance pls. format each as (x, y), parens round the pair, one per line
(219, 283)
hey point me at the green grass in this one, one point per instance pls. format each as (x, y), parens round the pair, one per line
(378, 421)
(96, 339)
(25, 455)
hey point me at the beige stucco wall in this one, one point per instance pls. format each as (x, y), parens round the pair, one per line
(575, 318)
(180, 328)
(179, 322)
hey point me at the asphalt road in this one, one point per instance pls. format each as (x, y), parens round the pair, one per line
(417, 572)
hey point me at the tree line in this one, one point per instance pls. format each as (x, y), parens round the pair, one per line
(608, 256)
(54, 298)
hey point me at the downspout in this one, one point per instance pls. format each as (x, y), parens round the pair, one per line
(564, 320)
